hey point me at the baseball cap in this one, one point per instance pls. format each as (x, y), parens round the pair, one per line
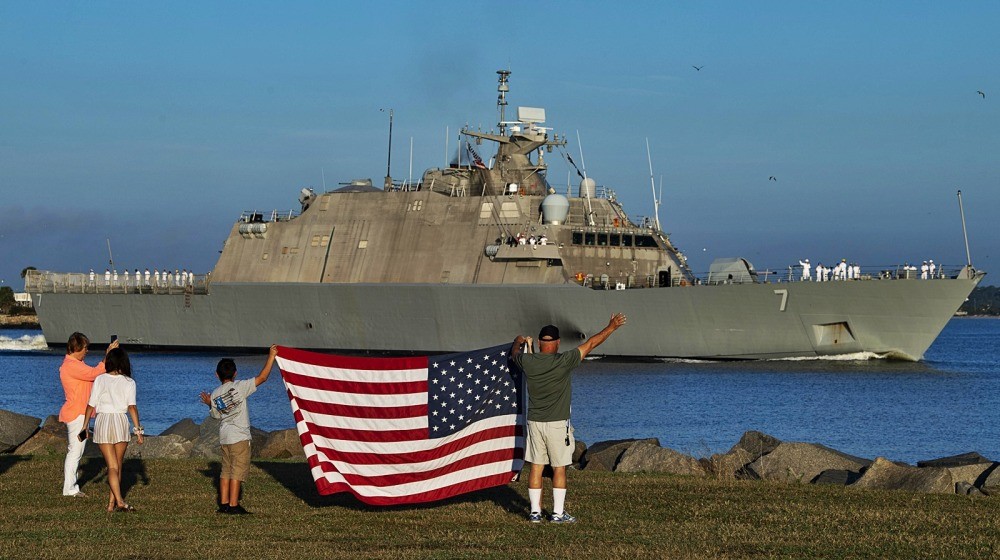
(550, 332)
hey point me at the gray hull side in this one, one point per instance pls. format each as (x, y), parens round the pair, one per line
(899, 317)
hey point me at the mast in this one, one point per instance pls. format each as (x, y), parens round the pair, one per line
(961, 210)
(388, 163)
(503, 88)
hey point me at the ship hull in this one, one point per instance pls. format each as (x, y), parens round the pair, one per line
(898, 318)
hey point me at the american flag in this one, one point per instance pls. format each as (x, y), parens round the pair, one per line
(407, 430)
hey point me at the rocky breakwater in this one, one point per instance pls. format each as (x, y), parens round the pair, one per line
(27, 435)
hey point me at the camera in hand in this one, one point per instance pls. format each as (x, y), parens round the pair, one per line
(114, 338)
(82, 436)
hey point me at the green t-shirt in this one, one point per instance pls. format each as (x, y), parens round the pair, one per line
(549, 388)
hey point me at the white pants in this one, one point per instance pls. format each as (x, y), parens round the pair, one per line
(73, 454)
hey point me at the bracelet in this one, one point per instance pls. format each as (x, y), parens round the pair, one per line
(137, 430)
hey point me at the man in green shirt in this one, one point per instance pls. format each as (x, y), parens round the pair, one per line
(550, 437)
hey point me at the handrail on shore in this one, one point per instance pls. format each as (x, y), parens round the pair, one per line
(46, 282)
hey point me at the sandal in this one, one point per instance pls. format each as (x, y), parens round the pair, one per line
(125, 508)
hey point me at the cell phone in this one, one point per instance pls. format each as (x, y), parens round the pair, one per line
(114, 337)
(82, 436)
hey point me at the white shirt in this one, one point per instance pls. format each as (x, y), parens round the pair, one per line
(232, 396)
(112, 393)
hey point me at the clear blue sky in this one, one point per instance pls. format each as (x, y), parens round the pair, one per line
(156, 124)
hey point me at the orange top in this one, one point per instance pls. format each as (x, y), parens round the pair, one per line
(77, 379)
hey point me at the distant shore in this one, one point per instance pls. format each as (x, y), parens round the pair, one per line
(19, 322)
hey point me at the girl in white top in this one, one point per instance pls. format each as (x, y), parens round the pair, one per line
(113, 399)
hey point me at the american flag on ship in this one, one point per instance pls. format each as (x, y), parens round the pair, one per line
(407, 430)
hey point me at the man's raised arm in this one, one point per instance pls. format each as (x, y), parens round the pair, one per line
(617, 320)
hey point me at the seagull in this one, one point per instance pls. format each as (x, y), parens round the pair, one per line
(698, 68)
(772, 178)
(981, 93)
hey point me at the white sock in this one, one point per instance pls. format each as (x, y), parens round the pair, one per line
(535, 495)
(558, 500)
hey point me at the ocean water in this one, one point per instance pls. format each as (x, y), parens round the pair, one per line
(944, 405)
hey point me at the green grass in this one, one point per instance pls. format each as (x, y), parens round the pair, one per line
(620, 516)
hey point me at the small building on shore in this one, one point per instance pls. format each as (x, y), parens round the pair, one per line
(23, 299)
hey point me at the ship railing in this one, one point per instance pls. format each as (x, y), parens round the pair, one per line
(46, 282)
(260, 217)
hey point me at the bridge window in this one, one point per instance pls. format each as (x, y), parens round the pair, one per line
(577, 238)
(602, 239)
(626, 240)
(589, 239)
(616, 240)
(645, 241)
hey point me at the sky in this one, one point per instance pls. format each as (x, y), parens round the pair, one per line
(153, 126)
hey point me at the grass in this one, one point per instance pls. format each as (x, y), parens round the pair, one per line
(621, 516)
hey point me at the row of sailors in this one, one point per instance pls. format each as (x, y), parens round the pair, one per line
(520, 239)
(841, 271)
(166, 278)
(927, 270)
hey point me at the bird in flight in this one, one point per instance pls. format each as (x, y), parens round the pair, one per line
(698, 68)
(772, 178)
(980, 92)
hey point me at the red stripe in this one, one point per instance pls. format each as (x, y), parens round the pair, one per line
(368, 436)
(359, 387)
(359, 458)
(325, 487)
(390, 480)
(351, 362)
(374, 412)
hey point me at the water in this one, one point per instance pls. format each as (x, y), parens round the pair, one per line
(901, 410)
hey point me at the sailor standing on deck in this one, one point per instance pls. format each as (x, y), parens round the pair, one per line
(923, 271)
(820, 271)
(107, 277)
(92, 282)
(806, 276)
(125, 280)
(145, 277)
(931, 268)
(114, 278)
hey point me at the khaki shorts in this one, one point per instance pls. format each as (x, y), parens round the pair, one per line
(547, 443)
(236, 460)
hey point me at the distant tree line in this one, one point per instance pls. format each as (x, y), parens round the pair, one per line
(984, 300)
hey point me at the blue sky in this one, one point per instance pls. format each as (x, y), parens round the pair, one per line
(157, 124)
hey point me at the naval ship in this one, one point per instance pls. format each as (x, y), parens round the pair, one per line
(480, 251)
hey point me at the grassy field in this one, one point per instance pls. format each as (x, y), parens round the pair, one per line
(620, 516)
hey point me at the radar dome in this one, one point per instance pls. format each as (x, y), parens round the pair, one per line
(588, 188)
(555, 208)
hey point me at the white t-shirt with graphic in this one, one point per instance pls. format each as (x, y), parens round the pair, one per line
(229, 405)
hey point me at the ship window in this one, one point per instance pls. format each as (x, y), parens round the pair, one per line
(315, 241)
(284, 250)
(645, 241)
(589, 239)
(626, 241)
(616, 240)
(577, 238)
(295, 250)
(602, 239)
(324, 241)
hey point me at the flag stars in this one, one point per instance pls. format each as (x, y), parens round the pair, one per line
(452, 363)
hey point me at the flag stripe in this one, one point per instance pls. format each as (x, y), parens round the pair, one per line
(344, 410)
(364, 388)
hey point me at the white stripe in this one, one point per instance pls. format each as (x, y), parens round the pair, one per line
(401, 447)
(507, 442)
(358, 375)
(357, 399)
(419, 487)
(369, 424)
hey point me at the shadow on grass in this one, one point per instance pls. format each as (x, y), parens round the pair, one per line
(133, 472)
(8, 461)
(297, 478)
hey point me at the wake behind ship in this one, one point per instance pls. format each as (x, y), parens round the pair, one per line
(481, 251)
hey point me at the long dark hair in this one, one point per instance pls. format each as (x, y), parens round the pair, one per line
(117, 360)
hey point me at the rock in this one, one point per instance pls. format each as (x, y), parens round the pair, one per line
(837, 477)
(756, 444)
(282, 444)
(186, 428)
(801, 462)
(975, 474)
(965, 459)
(990, 480)
(645, 456)
(172, 446)
(604, 455)
(966, 489)
(886, 475)
(578, 453)
(15, 429)
(726, 465)
(49, 439)
(207, 443)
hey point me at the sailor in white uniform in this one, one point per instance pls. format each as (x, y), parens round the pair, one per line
(107, 277)
(820, 271)
(806, 276)
(92, 281)
(932, 268)
(145, 278)
(923, 271)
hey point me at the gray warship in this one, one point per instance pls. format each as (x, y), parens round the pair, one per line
(480, 251)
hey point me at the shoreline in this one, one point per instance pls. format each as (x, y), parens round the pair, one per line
(19, 322)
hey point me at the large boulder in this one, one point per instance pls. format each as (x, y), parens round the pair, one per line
(727, 465)
(801, 462)
(886, 475)
(969, 468)
(756, 444)
(578, 452)
(837, 477)
(15, 429)
(646, 456)
(990, 480)
(282, 444)
(172, 446)
(186, 428)
(963, 460)
(604, 455)
(49, 439)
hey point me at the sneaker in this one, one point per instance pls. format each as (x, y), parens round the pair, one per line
(237, 510)
(562, 518)
(535, 517)
(223, 508)
(79, 494)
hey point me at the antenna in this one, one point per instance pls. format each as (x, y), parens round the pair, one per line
(961, 210)
(586, 190)
(409, 179)
(446, 139)
(652, 185)
(323, 172)
(111, 258)
(388, 163)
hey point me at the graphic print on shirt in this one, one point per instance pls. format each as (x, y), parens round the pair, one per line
(229, 401)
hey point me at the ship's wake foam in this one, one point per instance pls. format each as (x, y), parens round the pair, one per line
(853, 357)
(24, 343)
